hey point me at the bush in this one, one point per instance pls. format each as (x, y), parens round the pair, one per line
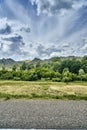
(6, 76)
(33, 77)
(56, 79)
(82, 77)
(17, 73)
(17, 78)
(74, 77)
(66, 79)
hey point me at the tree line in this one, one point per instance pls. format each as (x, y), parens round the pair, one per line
(57, 70)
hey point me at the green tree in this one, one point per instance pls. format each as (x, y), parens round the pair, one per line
(24, 66)
(3, 69)
(56, 66)
(45, 65)
(65, 70)
(84, 63)
(30, 66)
(81, 72)
(38, 64)
(73, 65)
(67, 76)
(14, 68)
(82, 75)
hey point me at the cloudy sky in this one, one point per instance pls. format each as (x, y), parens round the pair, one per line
(42, 28)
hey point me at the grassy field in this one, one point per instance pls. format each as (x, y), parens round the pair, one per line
(43, 90)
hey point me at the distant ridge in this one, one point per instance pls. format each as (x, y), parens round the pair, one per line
(7, 61)
(36, 59)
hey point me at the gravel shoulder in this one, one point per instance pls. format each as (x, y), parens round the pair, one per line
(42, 114)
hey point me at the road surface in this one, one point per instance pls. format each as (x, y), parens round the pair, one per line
(37, 114)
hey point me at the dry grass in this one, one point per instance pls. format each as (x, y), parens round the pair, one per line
(70, 89)
(15, 89)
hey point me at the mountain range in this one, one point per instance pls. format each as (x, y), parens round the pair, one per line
(10, 62)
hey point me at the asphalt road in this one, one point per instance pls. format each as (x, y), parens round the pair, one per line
(43, 114)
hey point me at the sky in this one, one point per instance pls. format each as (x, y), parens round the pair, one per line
(42, 28)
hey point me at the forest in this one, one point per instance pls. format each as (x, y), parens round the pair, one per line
(56, 69)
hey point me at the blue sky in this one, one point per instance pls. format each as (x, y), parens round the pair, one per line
(42, 28)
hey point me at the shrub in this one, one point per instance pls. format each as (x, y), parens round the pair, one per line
(6, 76)
(33, 77)
(56, 79)
(82, 77)
(66, 79)
(17, 78)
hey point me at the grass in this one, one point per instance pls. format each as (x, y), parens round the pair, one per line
(43, 90)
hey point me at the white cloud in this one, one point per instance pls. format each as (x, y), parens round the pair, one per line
(84, 47)
(51, 7)
(58, 28)
(78, 4)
